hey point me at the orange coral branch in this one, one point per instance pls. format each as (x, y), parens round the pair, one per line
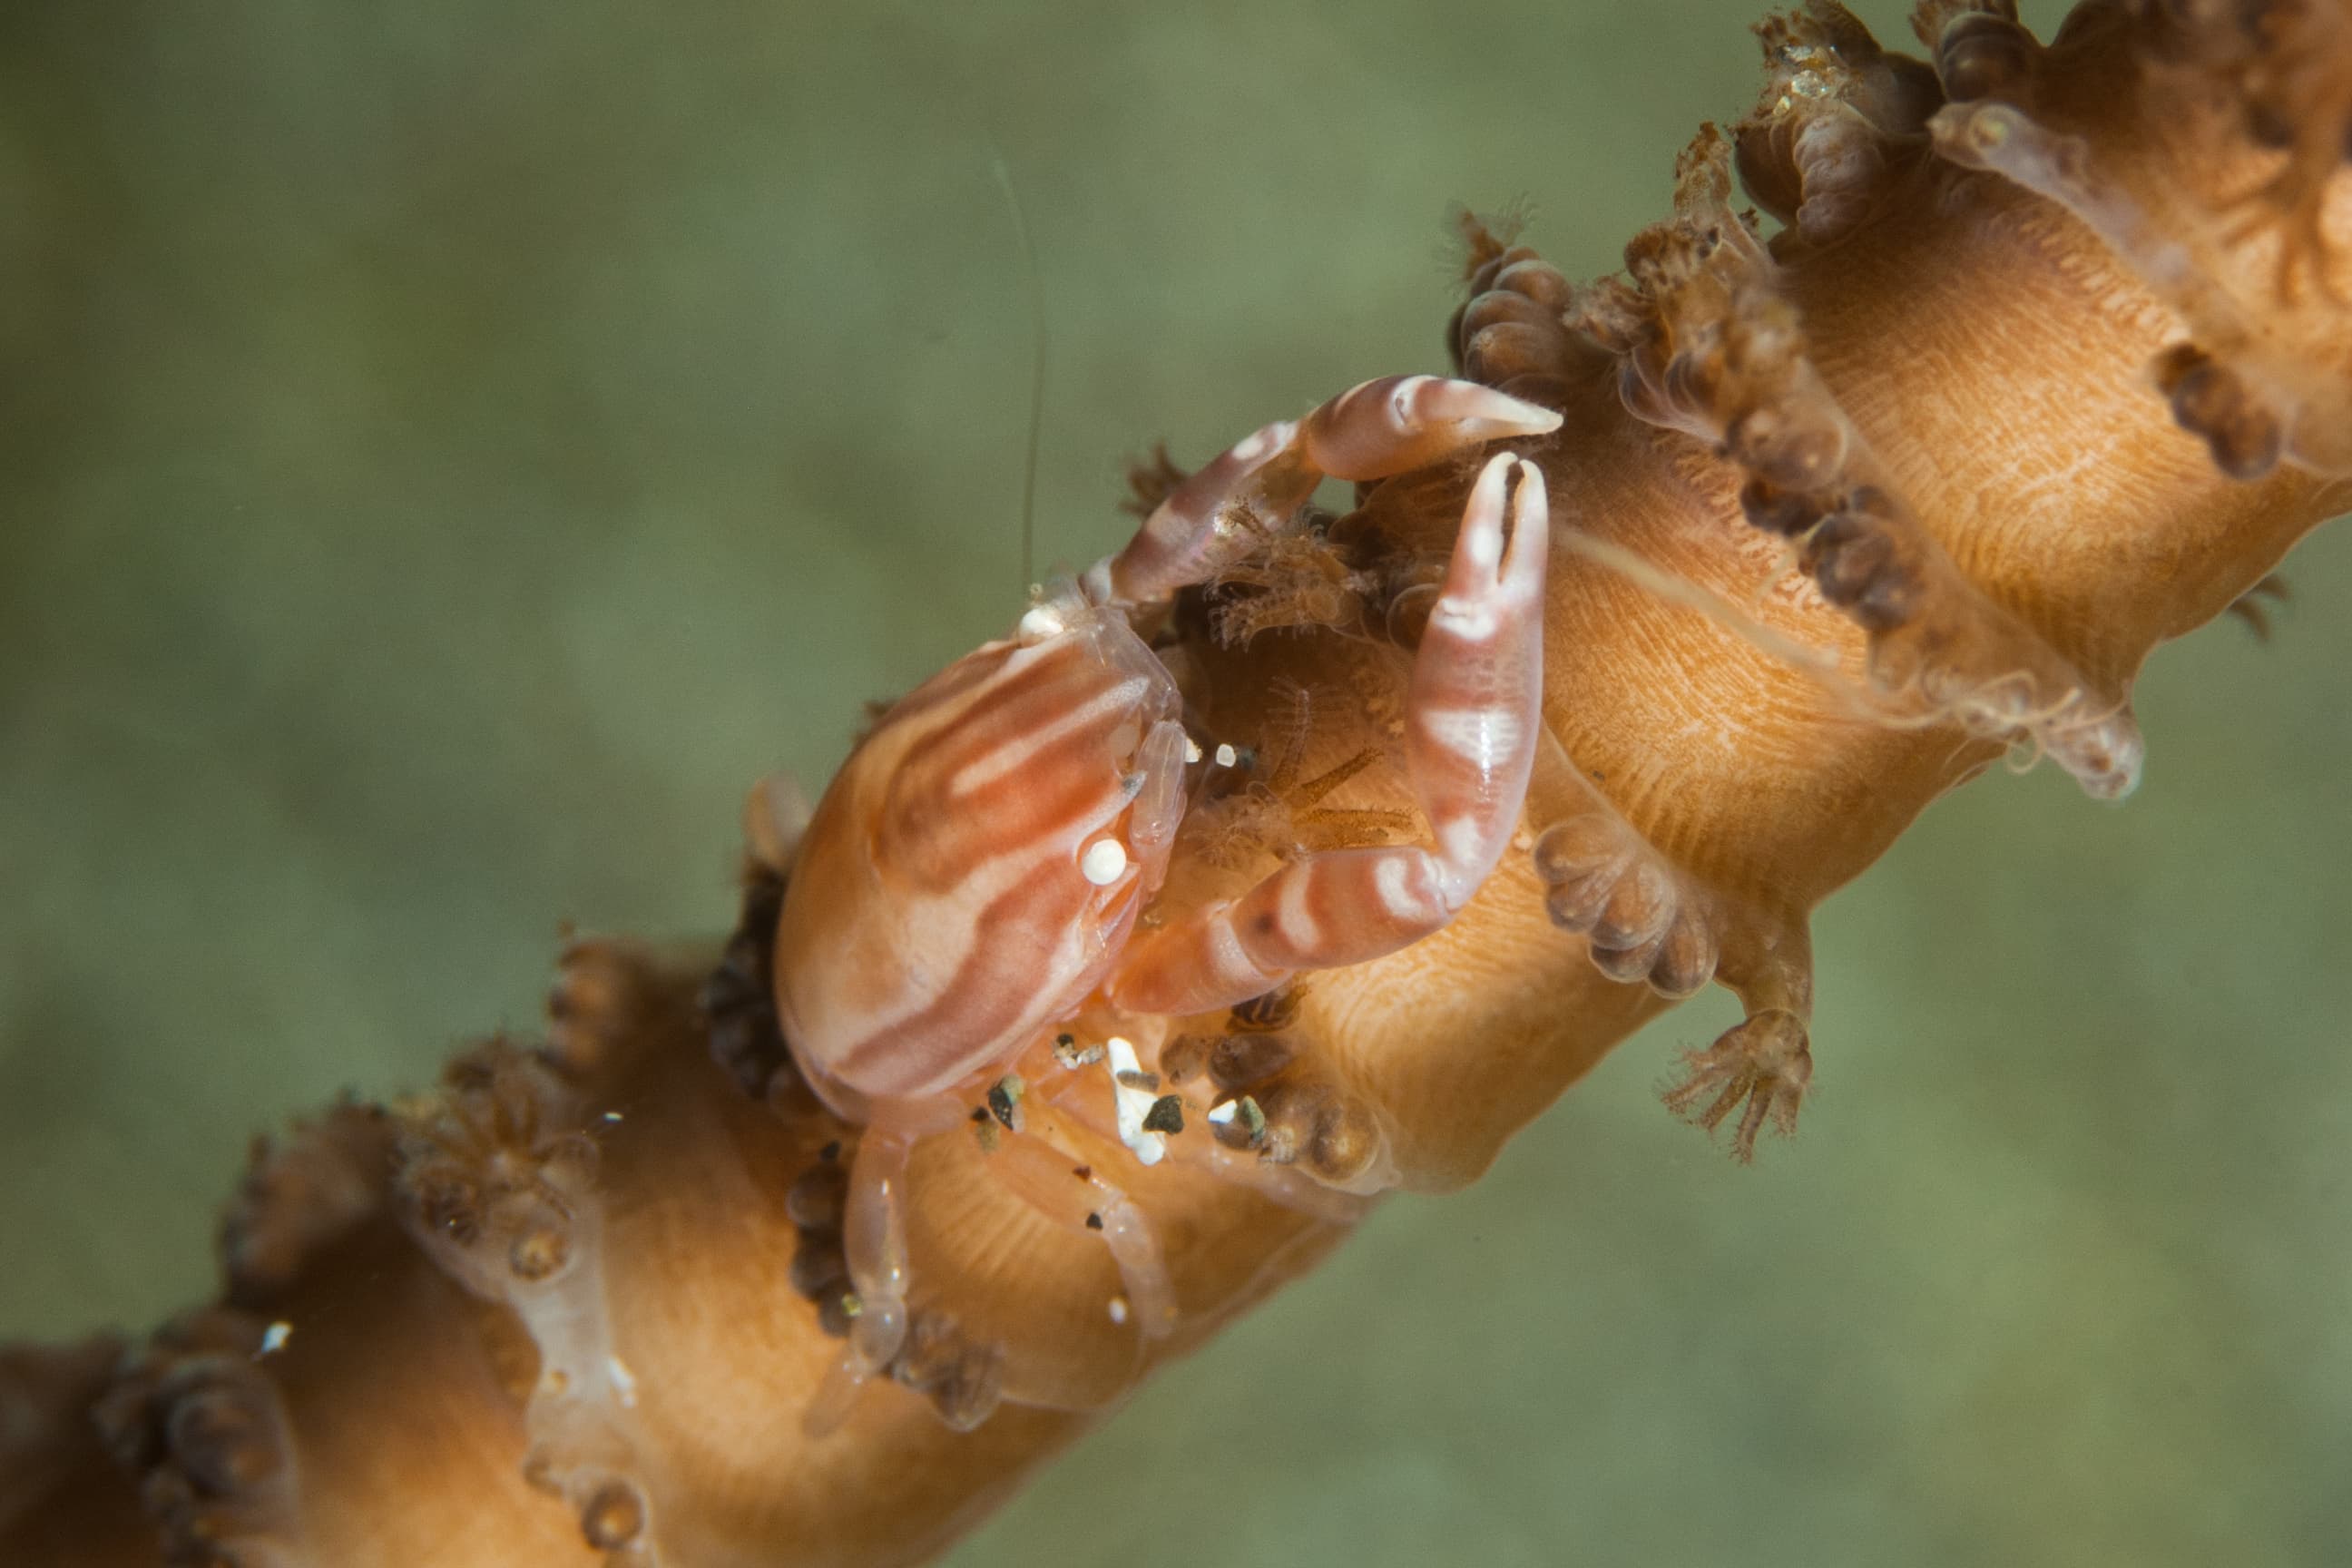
(1922, 478)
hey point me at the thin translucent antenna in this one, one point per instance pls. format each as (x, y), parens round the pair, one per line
(1036, 364)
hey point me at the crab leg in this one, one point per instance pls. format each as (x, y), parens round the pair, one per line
(1037, 1169)
(1473, 717)
(874, 1243)
(1382, 427)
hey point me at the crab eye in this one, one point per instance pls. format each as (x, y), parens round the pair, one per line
(1104, 862)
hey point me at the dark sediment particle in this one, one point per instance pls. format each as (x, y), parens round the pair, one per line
(1166, 1115)
(1005, 1101)
(1240, 1127)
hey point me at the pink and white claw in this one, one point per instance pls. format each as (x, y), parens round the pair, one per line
(1391, 425)
(1473, 715)
(1401, 423)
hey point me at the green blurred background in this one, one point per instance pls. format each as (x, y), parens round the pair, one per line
(448, 450)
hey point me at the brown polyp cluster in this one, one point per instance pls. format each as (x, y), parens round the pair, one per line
(2247, 111)
(1715, 352)
(2047, 360)
(1261, 1095)
(299, 1193)
(497, 1177)
(1707, 338)
(202, 1428)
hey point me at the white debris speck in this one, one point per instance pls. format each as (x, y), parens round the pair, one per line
(1040, 623)
(624, 1382)
(1133, 1104)
(1221, 1112)
(612, 1116)
(1227, 756)
(1104, 862)
(1119, 1308)
(274, 1338)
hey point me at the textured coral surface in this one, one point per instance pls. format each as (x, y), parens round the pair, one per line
(465, 453)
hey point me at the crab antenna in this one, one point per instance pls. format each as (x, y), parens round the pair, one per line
(1036, 363)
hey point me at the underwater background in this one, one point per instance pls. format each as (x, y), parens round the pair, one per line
(449, 451)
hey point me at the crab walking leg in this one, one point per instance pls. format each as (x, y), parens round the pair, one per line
(874, 1243)
(1472, 724)
(1380, 428)
(1037, 1170)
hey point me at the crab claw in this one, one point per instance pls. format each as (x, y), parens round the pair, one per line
(1184, 541)
(1401, 423)
(1473, 711)
(1380, 428)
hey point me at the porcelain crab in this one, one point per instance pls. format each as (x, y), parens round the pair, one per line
(974, 875)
